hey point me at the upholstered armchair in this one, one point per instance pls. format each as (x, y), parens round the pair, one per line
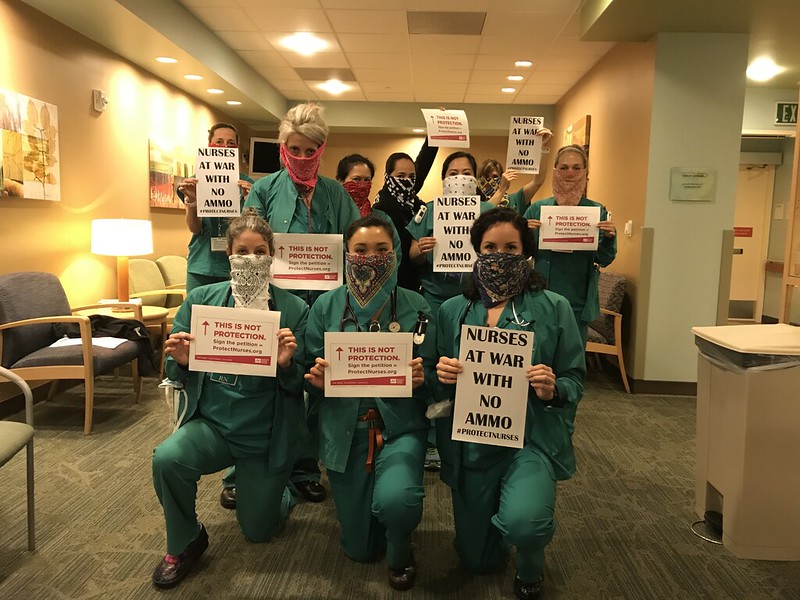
(31, 305)
(605, 332)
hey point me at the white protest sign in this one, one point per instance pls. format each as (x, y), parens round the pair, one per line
(366, 365)
(218, 182)
(524, 145)
(447, 128)
(492, 391)
(240, 341)
(452, 221)
(568, 228)
(308, 261)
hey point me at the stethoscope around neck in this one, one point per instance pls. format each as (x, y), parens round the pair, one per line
(516, 319)
(349, 315)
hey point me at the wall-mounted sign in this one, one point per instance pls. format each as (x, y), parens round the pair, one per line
(692, 185)
(786, 113)
(742, 232)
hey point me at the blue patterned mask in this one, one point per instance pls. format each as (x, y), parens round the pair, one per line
(500, 276)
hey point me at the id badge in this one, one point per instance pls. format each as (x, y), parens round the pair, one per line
(219, 244)
(223, 378)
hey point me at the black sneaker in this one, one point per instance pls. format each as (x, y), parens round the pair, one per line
(228, 498)
(527, 591)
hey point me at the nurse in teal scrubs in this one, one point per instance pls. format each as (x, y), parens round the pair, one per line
(373, 447)
(252, 422)
(458, 179)
(297, 199)
(207, 261)
(502, 496)
(574, 275)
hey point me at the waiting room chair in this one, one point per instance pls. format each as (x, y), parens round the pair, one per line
(605, 332)
(147, 282)
(31, 304)
(16, 436)
(173, 270)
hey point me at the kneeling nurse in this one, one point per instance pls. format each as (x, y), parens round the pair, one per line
(252, 422)
(374, 448)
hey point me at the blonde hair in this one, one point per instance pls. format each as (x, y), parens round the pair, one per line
(572, 148)
(305, 119)
(252, 221)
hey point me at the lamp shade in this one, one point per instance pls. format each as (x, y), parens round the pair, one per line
(122, 237)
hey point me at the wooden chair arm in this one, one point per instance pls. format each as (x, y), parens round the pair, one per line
(177, 286)
(605, 311)
(133, 307)
(42, 320)
(165, 292)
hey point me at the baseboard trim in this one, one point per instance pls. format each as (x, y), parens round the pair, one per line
(663, 388)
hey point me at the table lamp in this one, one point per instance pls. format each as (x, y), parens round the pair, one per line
(122, 238)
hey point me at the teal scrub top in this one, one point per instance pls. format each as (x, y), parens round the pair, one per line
(440, 285)
(201, 259)
(338, 416)
(276, 198)
(573, 274)
(274, 403)
(557, 343)
(516, 201)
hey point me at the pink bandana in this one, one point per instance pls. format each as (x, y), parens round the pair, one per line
(359, 192)
(303, 171)
(569, 186)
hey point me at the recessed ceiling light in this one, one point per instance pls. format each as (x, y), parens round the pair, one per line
(215, 91)
(763, 69)
(193, 77)
(508, 90)
(304, 43)
(233, 102)
(333, 86)
(166, 59)
(418, 130)
(515, 78)
(523, 63)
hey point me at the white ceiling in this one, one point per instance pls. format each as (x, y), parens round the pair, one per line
(235, 45)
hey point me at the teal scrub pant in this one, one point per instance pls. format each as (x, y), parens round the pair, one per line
(198, 448)
(511, 503)
(194, 280)
(380, 510)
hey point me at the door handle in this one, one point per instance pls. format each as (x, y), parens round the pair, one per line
(738, 250)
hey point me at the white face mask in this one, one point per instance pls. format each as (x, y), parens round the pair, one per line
(250, 277)
(459, 185)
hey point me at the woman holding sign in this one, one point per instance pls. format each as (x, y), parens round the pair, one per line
(373, 447)
(297, 199)
(249, 421)
(574, 274)
(207, 261)
(506, 495)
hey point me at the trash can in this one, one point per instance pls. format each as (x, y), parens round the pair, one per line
(748, 437)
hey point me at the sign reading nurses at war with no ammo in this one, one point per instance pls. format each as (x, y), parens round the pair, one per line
(363, 365)
(452, 220)
(492, 390)
(218, 182)
(568, 228)
(240, 341)
(524, 144)
(307, 261)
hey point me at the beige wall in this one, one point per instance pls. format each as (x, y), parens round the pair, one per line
(618, 94)
(104, 156)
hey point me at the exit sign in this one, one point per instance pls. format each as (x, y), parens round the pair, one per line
(786, 113)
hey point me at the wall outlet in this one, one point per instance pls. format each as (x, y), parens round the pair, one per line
(99, 100)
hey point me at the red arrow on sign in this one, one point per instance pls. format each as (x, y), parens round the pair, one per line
(281, 249)
(339, 350)
(205, 327)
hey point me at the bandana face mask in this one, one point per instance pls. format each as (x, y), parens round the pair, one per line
(500, 276)
(359, 192)
(489, 185)
(250, 277)
(459, 185)
(303, 171)
(401, 189)
(366, 274)
(569, 186)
